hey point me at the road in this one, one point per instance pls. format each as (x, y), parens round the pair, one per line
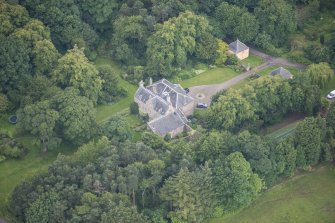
(203, 93)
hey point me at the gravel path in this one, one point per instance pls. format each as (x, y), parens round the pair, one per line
(203, 93)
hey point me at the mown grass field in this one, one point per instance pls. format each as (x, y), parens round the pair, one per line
(307, 197)
(285, 131)
(211, 76)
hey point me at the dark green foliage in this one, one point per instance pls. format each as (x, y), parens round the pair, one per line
(4, 103)
(134, 108)
(277, 19)
(117, 129)
(74, 70)
(40, 119)
(308, 139)
(10, 148)
(76, 116)
(283, 155)
(47, 208)
(317, 53)
(63, 18)
(190, 195)
(15, 67)
(129, 39)
(110, 91)
(234, 182)
(235, 22)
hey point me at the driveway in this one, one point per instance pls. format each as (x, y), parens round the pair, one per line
(204, 93)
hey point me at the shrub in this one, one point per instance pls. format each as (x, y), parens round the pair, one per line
(134, 108)
(10, 148)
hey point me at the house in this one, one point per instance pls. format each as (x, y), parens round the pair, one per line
(167, 106)
(282, 72)
(239, 49)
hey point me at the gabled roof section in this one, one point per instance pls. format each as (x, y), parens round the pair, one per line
(168, 123)
(143, 94)
(159, 105)
(282, 72)
(237, 46)
(171, 93)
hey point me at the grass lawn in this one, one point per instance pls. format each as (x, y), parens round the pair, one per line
(265, 72)
(307, 197)
(14, 172)
(105, 112)
(253, 60)
(212, 76)
(285, 131)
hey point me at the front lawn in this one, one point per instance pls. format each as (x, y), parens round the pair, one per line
(308, 197)
(212, 76)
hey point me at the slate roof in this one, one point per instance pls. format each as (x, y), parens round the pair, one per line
(168, 123)
(167, 99)
(237, 46)
(175, 92)
(143, 94)
(282, 72)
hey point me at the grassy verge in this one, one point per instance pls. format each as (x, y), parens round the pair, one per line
(308, 197)
(265, 72)
(285, 131)
(253, 61)
(212, 76)
(105, 112)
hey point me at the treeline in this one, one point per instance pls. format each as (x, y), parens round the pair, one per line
(211, 173)
(134, 31)
(267, 100)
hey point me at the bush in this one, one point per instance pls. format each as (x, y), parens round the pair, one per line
(134, 108)
(10, 148)
(298, 57)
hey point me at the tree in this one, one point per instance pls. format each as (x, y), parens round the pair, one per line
(276, 19)
(129, 39)
(15, 66)
(234, 182)
(45, 57)
(40, 119)
(190, 195)
(317, 53)
(101, 11)
(308, 138)
(117, 129)
(4, 103)
(47, 208)
(32, 32)
(173, 42)
(110, 90)
(76, 116)
(320, 74)
(12, 17)
(221, 52)
(284, 158)
(236, 22)
(74, 70)
(230, 111)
